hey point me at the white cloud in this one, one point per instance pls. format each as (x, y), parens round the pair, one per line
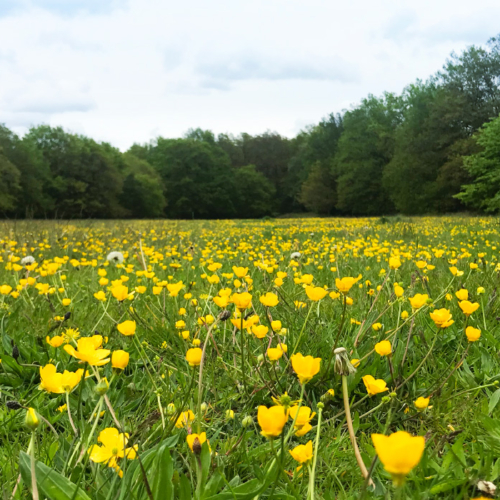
(125, 71)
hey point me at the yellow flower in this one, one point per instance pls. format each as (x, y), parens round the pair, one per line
(441, 318)
(316, 293)
(302, 431)
(345, 284)
(271, 420)
(468, 307)
(66, 302)
(174, 288)
(185, 418)
(480, 290)
(383, 348)
(120, 292)
(455, 271)
(377, 326)
(58, 383)
(180, 324)
(55, 341)
(334, 295)
(355, 362)
(418, 300)
(31, 420)
(404, 315)
(306, 367)
(192, 438)
(88, 351)
(240, 272)
(100, 295)
(127, 328)
(193, 356)
(270, 299)
(472, 333)
(274, 353)
(303, 452)
(394, 263)
(462, 294)
(399, 291)
(421, 403)
(221, 301)
(260, 331)
(120, 359)
(374, 386)
(303, 417)
(276, 325)
(71, 334)
(399, 453)
(5, 289)
(113, 446)
(242, 300)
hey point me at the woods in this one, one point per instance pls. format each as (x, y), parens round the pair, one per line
(434, 148)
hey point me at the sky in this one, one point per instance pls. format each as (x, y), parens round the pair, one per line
(125, 71)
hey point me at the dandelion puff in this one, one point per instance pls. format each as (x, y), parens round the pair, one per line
(296, 256)
(28, 260)
(115, 257)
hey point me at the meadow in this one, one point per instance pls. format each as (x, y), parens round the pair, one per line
(287, 359)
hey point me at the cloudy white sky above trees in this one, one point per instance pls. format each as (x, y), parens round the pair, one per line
(127, 71)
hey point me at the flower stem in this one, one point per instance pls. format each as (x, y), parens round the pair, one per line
(34, 486)
(312, 472)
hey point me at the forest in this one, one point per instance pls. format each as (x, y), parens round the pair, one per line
(434, 148)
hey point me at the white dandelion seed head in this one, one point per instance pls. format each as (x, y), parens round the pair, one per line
(296, 255)
(28, 260)
(115, 257)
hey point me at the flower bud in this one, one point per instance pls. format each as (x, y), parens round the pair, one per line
(260, 358)
(229, 414)
(204, 407)
(102, 387)
(480, 290)
(247, 421)
(320, 406)
(120, 359)
(32, 421)
(386, 399)
(170, 409)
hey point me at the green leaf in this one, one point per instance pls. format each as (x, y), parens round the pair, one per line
(184, 488)
(163, 467)
(446, 486)
(50, 483)
(495, 397)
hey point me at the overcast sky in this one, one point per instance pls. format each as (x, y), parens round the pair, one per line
(127, 71)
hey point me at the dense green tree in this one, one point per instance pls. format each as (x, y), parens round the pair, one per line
(197, 178)
(364, 150)
(483, 193)
(318, 191)
(9, 184)
(252, 194)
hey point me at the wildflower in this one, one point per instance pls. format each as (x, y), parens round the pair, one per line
(180, 324)
(274, 353)
(303, 452)
(377, 326)
(71, 334)
(221, 301)
(355, 362)
(316, 293)
(56, 341)
(472, 333)
(468, 307)
(62, 408)
(441, 318)
(306, 367)
(174, 288)
(260, 331)
(269, 299)
(421, 403)
(88, 351)
(193, 356)
(185, 418)
(271, 420)
(240, 272)
(113, 447)
(334, 295)
(462, 294)
(127, 328)
(480, 290)
(120, 292)
(242, 300)
(455, 271)
(28, 260)
(100, 295)
(399, 291)
(195, 442)
(404, 315)
(418, 300)
(302, 416)
(5, 289)
(345, 284)
(31, 420)
(374, 386)
(120, 359)
(276, 325)
(230, 414)
(295, 255)
(394, 263)
(399, 453)
(115, 257)
(58, 383)
(66, 302)
(383, 348)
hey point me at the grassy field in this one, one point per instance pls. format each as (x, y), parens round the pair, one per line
(187, 369)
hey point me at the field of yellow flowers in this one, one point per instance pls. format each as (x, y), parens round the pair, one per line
(286, 359)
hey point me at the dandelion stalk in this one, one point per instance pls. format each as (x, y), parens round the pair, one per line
(312, 471)
(75, 430)
(31, 451)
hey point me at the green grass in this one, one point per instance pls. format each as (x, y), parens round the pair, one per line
(461, 425)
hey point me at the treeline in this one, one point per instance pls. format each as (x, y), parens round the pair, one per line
(435, 148)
